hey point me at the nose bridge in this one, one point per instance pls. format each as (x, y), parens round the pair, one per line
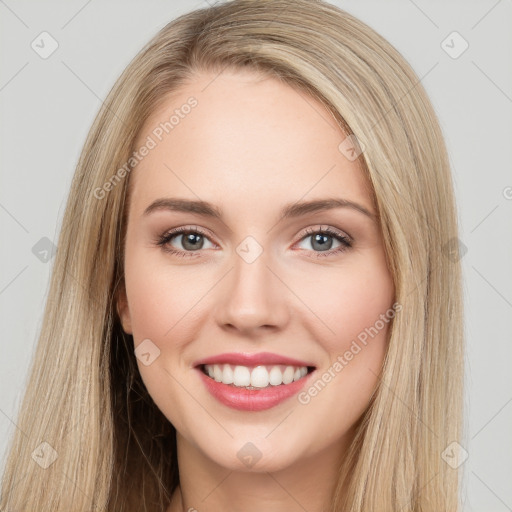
(252, 295)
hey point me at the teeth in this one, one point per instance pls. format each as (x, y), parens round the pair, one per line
(227, 374)
(217, 373)
(288, 375)
(255, 377)
(259, 377)
(275, 376)
(241, 376)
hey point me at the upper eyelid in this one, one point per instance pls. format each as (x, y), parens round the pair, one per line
(325, 228)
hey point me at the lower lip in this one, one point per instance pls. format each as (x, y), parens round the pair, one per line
(252, 399)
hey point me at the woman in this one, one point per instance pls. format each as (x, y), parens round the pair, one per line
(255, 301)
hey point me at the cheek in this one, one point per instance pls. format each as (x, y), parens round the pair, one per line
(161, 304)
(351, 304)
(159, 297)
(347, 301)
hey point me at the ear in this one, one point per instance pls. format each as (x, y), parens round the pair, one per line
(123, 310)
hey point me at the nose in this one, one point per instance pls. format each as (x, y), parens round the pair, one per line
(252, 298)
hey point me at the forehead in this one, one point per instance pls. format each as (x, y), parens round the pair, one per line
(245, 138)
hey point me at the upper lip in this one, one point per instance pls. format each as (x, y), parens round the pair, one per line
(251, 359)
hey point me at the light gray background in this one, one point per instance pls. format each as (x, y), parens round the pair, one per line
(48, 105)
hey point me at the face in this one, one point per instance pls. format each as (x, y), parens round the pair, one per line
(254, 271)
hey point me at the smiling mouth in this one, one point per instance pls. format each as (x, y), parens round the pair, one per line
(255, 377)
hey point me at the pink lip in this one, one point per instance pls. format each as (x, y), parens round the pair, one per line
(252, 399)
(251, 359)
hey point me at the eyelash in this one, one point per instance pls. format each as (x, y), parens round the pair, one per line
(164, 239)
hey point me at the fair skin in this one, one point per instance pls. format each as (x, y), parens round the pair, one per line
(250, 147)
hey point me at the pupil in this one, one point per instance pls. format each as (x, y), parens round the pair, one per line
(319, 238)
(191, 239)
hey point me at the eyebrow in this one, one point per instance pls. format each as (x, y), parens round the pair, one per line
(291, 210)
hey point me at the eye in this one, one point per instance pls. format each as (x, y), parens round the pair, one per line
(321, 241)
(191, 239)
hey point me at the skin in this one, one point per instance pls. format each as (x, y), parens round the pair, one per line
(250, 146)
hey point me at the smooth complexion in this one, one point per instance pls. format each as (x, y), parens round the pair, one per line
(251, 147)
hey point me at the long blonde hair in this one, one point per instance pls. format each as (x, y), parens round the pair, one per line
(86, 406)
